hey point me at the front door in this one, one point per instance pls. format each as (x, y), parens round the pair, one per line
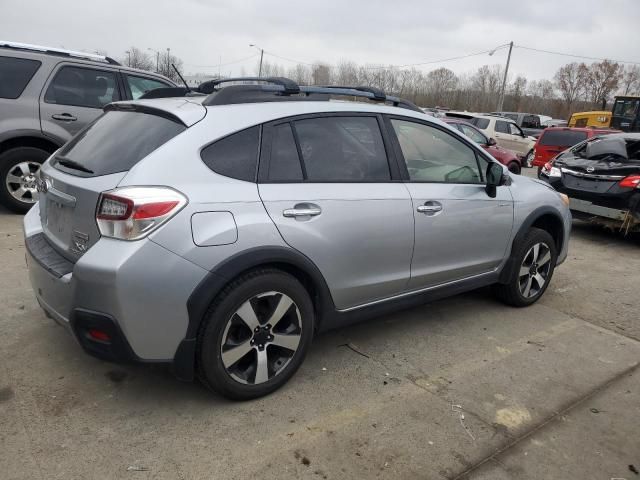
(74, 97)
(327, 184)
(460, 231)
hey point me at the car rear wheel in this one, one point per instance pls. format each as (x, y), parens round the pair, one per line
(514, 167)
(18, 168)
(255, 335)
(534, 260)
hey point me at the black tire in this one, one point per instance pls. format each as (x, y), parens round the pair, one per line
(210, 367)
(528, 159)
(9, 162)
(511, 292)
(514, 167)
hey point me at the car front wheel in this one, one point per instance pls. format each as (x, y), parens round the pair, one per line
(534, 263)
(255, 335)
(529, 159)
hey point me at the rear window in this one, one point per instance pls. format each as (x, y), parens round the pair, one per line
(481, 123)
(561, 138)
(15, 74)
(115, 142)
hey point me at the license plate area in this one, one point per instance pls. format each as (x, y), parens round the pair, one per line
(58, 222)
(586, 184)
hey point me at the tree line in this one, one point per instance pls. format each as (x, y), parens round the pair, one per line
(574, 87)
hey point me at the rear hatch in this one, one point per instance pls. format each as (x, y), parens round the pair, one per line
(96, 160)
(593, 171)
(553, 141)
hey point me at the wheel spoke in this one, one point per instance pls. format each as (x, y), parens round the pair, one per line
(539, 280)
(24, 168)
(545, 258)
(248, 315)
(231, 356)
(262, 368)
(536, 252)
(527, 287)
(290, 342)
(283, 307)
(19, 192)
(523, 271)
(11, 178)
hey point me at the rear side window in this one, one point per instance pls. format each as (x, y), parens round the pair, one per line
(15, 74)
(235, 156)
(561, 138)
(481, 123)
(342, 149)
(115, 142)
(82, 87)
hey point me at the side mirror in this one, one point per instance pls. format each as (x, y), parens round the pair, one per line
(494, 178)
(491, 142)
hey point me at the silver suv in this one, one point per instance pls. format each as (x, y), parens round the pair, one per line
(47, 96)
(221, 233)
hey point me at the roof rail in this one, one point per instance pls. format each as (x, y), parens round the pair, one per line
(58, 51)
(290, 87)
(272, 89)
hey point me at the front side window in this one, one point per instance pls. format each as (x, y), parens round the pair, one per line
(432, 155)
(235, 156)
(514, 129)
(284, 162)
(474, 134)
(141, 85)
(502, 127)
(342, 149)
(15, 74)
(82, 87)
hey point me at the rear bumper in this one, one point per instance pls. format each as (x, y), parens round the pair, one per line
(135, 291)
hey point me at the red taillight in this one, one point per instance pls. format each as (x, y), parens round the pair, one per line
(632, 181)
(99, 335)
(131, 213)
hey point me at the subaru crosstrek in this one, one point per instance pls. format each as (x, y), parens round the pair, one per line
(221, 233)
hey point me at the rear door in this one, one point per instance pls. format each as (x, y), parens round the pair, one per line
(74, 96)
(460, 231)
(327, 183)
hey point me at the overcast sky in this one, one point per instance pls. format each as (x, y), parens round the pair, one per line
(204, 33)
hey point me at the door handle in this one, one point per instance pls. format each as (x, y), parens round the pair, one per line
(430, 208)
(64, 117)
(303, 210)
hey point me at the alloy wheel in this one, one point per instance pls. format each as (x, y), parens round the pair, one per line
(534, 270)
(529, 160)
(261, 338)
(21, 181)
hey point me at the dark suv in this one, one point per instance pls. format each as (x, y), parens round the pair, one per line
(47, 96)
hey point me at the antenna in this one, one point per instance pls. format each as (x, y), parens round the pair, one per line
(185, 83)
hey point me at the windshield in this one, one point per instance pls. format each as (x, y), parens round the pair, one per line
(626, 108)
(115, 142)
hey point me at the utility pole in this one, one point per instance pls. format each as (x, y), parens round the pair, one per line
(261, 56)
(168, 62)
(504, 80)
(157, 58)
(129, 58)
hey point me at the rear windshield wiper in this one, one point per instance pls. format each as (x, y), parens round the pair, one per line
(67, 162)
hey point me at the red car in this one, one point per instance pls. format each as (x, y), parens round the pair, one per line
(505, 157)
(554, 140)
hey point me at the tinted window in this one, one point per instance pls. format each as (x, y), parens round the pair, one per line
(473, 134)
(481, 123)
(15, 74)
(561, 138)
(531, 121)
(82, 87)
(141, 85)
(512, 116)
(502, 127)
(115, 142)
(284, 163)
(432, 155)
(342, 149)
(235, 156)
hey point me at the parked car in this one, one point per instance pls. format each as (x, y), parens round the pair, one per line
(531, 123)
(557, 139)
(220, 234)
(601, 176)
(505, 157)
(48, 95)
(507, 134)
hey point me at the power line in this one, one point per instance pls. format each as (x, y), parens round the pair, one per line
(224, 64)
(575, 56)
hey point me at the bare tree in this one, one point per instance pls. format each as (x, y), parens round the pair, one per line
(165, 68)
(571, 81)
(602, 80)
(517, 91)
(321, 74)
(630, 82)
(137, 58)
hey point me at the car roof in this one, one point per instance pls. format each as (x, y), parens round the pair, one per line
(580, 129)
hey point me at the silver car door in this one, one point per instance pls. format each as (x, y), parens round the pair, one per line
(460, 231)
(327, 184)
